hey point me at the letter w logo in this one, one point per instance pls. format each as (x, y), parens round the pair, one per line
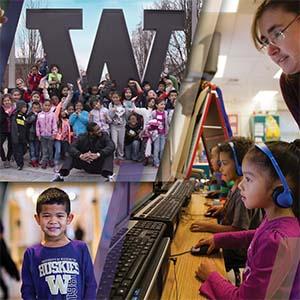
(58, 283)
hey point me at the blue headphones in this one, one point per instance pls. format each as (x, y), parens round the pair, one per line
(238, 167)
(282, 195)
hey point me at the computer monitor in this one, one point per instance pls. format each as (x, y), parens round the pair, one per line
(139, 194)
(120, 205)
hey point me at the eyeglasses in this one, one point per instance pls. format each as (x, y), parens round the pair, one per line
(276, 36)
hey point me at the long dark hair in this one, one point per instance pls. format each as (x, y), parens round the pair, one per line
(287, 156)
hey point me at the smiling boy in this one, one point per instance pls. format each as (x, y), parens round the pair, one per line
(57, 268)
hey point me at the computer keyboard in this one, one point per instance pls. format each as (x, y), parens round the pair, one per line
(182, 190)
(165, 209)
(127, 260)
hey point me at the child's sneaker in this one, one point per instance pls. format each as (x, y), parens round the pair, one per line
(111, 178)
(58, 178)
(6, 164)
(44, 165)
(145, 162)
(32, 163)
(51, 164)
(19, 168)
(36, 164)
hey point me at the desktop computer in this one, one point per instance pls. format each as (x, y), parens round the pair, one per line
(137, 261)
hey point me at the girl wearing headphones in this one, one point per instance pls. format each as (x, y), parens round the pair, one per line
(234, 216)
(271, 181)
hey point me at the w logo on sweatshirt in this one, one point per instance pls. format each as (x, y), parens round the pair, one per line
(58, 284)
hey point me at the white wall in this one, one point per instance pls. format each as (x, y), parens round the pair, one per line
(288, 127)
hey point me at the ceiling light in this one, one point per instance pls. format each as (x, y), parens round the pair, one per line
(278, 74)
(29, 192)
(230, 6)
(265, 95)
(221, 66)
(72, 196)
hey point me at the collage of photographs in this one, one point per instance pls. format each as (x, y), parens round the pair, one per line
(149, 149)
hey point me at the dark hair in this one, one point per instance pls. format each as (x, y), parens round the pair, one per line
(145, 82)
(53, 196)
(47, 100)
(125, 90)
(34, 66)
(15, 90)
(93, 87)
(173, 91)
(61, 88)
(69, 105)
(90, 126)
(159, 100)
(79, 101)
(287, 156)
(36, 103)
(162, 82)
(5, 96)
(94, 101)
(35, 93)
(133, 115)
(54, 65)
(291, 6)
(116, 93)
(241, 146)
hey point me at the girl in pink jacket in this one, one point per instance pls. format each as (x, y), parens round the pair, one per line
(46, 130)
(271, 182)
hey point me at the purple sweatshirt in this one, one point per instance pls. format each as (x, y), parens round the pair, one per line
(273, 262)
(46, 124)
(58, 273)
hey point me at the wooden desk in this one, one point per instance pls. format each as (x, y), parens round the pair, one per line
(187, 264)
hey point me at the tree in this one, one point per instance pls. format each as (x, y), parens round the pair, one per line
(29, 44)
(180, 42)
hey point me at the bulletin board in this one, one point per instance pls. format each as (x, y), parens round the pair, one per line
(265, 128)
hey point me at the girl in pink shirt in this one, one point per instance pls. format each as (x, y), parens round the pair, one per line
(271, 182)
(63, 137)
(46, 130)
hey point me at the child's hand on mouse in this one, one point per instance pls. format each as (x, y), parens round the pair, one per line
(200, 226)
(207, 266)
(210, 242)
(215, 211)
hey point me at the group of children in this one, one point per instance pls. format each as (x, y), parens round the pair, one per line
(47, 116)
(258, 226)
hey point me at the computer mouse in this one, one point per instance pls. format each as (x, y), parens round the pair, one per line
(202, 250)
(208, 214)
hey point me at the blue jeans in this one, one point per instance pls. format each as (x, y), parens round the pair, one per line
(158, 146)
(34, 150)
(132, 150)
(47, 149)
(61, 148)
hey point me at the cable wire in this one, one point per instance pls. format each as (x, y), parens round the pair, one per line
(181, 253)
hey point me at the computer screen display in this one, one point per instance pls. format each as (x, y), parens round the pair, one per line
(139, 193)
(120, 203)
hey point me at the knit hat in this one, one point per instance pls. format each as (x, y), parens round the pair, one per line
(20, 104)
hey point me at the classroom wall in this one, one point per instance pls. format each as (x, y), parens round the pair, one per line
(288, 127)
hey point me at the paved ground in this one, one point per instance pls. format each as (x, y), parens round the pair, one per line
(126, 171)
